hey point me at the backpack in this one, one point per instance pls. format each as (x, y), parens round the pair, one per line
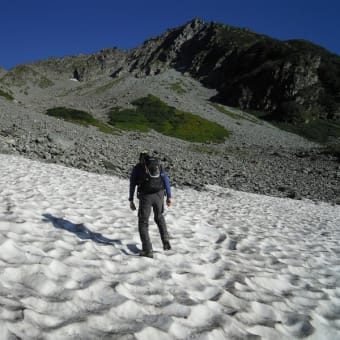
(151, 180)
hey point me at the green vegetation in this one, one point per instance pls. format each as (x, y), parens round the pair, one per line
(207, 149)
(152, 113)
(104, 88)
(305, 125)
(21, 75)
(45, 82)
(317, 130)
(233, 114)
(178, 88)
(128, 119)
(257, 58)
(78, 117)
(16, 76)
(223, 110)
(6, 95)
(328, 72)
(258, 114)
(214, 151)
(20, 69)
(231, 36)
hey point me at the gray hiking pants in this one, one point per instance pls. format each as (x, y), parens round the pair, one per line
(156, 202)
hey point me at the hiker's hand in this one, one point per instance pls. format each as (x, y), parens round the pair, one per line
(132, 206)
(168, 202)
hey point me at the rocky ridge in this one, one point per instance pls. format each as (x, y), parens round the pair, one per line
(293, 80)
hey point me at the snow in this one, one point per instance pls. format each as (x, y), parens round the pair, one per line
(242, 265)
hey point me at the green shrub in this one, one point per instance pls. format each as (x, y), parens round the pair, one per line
(293, 113)
(178, 88)
(21, 75)
(45, 82)
(227, 112)
(206, 149)
(78, 117)
(128, 120)
(6, 95)
(235, 115)
(101, 89)
(317, 130)
(152, 113)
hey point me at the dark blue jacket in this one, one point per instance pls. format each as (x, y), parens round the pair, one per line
(133, 182)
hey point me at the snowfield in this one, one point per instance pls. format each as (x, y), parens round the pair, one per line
(243, 266)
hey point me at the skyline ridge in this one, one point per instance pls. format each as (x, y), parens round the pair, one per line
(168, 30)
(36, 31)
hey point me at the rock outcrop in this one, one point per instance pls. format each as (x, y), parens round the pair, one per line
(294, 81)
(287, 80)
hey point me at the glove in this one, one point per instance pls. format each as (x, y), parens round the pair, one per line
(132, 206)
(168, 201)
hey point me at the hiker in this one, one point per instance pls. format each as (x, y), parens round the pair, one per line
(151, 181)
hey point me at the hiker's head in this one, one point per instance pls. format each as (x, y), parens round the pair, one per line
(143, 156)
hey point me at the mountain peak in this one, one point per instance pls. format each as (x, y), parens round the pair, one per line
(195, 22)
(293, 80)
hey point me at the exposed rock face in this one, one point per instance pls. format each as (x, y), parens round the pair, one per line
(21, 75)
(250, 71)
(291, 80)
(283, 89)
(159, 53)
(84, 67)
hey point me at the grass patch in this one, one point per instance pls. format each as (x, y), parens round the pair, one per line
(258, 114)
(212, 151)
(104, 88)
(45, 83)
(6, 95)
(128, 119)
(79, 117)
(206, 149)
(235, 115)
(227, 112)
(317, 130)
(152, 113)
(21, 75)
(178, 88)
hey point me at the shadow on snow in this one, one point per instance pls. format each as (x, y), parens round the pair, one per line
(80, 230)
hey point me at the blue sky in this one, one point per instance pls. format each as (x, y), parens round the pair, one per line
(34, 30)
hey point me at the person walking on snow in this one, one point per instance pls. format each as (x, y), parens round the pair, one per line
(151, 181)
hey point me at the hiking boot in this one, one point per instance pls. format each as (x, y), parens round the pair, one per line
(148, 253)
(166, 245)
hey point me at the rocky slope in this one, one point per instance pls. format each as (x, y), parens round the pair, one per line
(257, 157)
(294, 81)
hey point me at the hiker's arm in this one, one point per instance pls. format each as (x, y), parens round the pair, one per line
(132, 183)
(167, 188)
